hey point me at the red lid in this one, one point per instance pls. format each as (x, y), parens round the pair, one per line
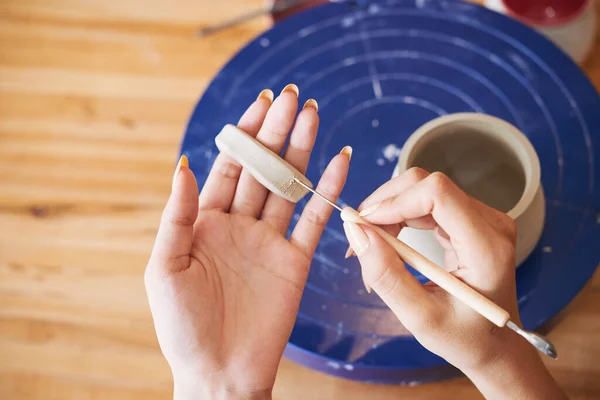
(545, 12)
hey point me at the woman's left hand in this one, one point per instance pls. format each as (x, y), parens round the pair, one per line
(223, 282)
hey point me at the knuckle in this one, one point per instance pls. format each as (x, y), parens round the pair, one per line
(228, 168)
(511, 229)
(271, 131)
(506, 226)
(314, 217)
(301, 147)
(416, 174)
(384, 283)
(243, 206)
(440, 182)
(329, 191)
(181, 220)
(277, 221)
(505, 251)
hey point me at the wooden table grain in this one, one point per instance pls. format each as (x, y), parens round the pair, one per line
(94, 98)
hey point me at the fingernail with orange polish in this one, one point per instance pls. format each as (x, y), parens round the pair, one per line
(183, 163)
(347, 150)
(291, 88)
(349, 252)
(312, 103)
(266, 94)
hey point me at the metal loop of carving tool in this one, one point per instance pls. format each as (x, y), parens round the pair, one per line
(538, 341)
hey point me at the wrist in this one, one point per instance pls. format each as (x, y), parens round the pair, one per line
(191, 388)
(199, 392)
(517, 372)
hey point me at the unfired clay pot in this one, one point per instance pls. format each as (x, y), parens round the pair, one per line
(488, 158)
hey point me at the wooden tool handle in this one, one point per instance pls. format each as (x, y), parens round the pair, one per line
(437, 275)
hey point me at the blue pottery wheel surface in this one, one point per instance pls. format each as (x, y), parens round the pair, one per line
(379, 71)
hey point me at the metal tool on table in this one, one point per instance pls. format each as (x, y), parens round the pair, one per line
(284, 180)
(276, 7)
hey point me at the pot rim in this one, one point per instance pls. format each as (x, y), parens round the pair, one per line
(505, 132)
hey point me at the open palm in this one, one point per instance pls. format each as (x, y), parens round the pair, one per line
(224, 283)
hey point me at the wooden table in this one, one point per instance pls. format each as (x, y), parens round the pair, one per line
(94, 97)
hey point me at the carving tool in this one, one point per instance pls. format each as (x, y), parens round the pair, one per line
(284, 180)
(278, 6)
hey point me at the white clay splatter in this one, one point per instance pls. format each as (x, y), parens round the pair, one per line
(323, 307)
(340, 329)
(306, 31)
(547, 249)
(345, 270)
(348, 61)
(375, 123)
(380, 162)
(391, 152)
(373, 9)
(377, 88)
(348, 367)
(333, 364)
(347, 22)
(264, 42)
(459, 42)
(521, 64)
(360, 292)
(495, 59)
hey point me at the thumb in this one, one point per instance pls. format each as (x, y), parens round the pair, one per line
(385, 272)
(174, 239)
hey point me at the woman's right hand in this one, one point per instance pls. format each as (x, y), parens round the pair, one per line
(479, 245)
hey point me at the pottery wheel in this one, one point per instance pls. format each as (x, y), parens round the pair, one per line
(379, 71)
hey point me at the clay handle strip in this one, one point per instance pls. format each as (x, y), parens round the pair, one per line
(265, 166)
(437, 275)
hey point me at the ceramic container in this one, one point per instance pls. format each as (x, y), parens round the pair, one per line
(488, 158)
(571, 24)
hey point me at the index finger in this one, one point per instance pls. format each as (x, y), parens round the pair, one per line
(436, 195)
(394, 187)
(219, 188)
